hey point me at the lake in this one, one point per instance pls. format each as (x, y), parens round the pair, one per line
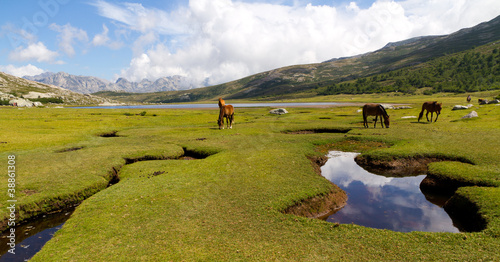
(215, 105)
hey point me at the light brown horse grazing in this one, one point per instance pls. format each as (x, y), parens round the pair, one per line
(430, 107)
(226, 111)
(375, 110)
(221, 102)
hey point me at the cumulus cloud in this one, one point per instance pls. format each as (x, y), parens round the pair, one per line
(27, 70)
(35, 51)
(215, 41)
(68, 37)
(103, 39)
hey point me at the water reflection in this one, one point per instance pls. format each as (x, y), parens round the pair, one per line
(394, 203)
(31, 237)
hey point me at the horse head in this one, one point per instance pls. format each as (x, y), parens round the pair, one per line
(220, 123)
(386, 121)
(439, 106)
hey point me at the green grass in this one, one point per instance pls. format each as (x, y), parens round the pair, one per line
(227, 206)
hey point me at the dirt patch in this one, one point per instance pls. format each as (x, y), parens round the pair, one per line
(319, 206)
(318, 130)
(28, 192)
(396, 167)
(69, 149)
(109, 134)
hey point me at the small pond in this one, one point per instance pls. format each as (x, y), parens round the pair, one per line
(394, 203)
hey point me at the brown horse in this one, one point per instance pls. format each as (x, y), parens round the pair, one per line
(221, 102)
(375, 110)
(226, 111)
(430, 107)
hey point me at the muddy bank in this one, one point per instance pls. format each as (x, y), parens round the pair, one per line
(320, 205)
(402, 166)
(468, 212)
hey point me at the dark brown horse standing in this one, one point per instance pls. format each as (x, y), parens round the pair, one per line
(430, 107)
(226, 111)
(375, 110)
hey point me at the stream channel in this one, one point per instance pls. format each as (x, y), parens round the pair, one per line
(394, 203)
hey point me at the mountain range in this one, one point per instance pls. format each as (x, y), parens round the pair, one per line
(90, 84)
(12, 87)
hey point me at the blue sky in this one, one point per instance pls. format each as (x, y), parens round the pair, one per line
(212, 41)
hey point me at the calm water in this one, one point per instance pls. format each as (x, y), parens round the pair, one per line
(213, 105)
(31, 237)
(394, 203)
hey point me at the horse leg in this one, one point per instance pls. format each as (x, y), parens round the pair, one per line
(365, 121)
(231, 118)
(427, 115)
(382, 121)
(376, 118)
(437, 115)
(420, 115)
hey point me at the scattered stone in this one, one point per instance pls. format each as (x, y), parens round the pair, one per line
(407, 117)
(403, 107)
(470, 115)
(459, 107)
(279, 111)
(387, 106)
(482, 101)
(470, 105)
(19, 102)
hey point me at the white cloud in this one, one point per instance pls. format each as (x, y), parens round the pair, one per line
(214, 41)
(67, 37)
(139, 18)
(34, 51)
(103, 39)
(27, 70)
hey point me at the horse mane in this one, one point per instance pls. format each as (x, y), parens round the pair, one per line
(383, 110)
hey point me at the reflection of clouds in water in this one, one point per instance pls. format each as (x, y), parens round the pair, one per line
(344, 170)
(383, 202)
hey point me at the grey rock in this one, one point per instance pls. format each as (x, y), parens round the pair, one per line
(279, 111)
(470, 115)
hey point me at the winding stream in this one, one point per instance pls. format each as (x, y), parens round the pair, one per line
(394, 203)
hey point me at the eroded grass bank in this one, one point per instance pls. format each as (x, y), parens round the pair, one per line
(228, 206)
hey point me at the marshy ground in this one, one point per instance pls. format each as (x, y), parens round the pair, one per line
(229, 203)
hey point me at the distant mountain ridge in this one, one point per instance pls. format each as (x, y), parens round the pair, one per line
(12, 87)
(91, 84)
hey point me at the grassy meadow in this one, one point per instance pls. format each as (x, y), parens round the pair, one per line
(227, 205)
